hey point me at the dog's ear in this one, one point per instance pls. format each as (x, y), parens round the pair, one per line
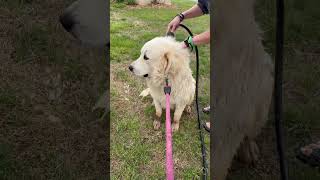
(168, 62)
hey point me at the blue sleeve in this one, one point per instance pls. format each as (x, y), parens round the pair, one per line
(203, 4)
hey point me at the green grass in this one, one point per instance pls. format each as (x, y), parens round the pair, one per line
(137, 151)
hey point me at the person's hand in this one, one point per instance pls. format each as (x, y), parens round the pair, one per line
(174, 24)
(183, 45)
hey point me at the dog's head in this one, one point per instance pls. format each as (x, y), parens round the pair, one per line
(160, 56)
(87, 20)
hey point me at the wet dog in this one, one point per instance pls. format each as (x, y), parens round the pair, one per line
(161, 58)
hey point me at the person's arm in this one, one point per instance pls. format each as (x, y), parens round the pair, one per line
(199, 9)
(203, 38)
(194, 11)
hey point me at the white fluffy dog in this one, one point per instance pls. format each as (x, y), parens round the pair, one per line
(161, 58)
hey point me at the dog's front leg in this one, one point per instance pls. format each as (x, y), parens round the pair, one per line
(156, 122)
(177, 116)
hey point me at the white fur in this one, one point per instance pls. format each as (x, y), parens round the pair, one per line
(166, 58)
(145, 92)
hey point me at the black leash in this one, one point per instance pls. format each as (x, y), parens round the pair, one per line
(278, 88)
(200, 124)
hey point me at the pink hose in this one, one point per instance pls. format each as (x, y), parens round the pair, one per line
(169, 156)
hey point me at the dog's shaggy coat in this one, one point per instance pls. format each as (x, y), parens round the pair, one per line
(161, 58)
(242, 84)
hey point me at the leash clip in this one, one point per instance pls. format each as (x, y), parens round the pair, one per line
(167, 88)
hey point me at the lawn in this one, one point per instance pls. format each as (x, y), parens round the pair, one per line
(138, 151)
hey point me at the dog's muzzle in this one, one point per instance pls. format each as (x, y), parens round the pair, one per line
(131, 69)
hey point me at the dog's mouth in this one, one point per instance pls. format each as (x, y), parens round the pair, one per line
(146, 75)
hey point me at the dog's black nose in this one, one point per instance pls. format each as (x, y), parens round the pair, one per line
(130, 68)
(67, 21)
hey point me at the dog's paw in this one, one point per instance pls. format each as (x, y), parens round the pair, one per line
(156, 124)
(175, 126)
(208, 124)
(188, 109)
(145, 92)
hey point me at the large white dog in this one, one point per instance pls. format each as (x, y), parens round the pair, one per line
(161, 58)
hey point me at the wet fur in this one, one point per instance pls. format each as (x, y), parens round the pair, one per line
(172, 62)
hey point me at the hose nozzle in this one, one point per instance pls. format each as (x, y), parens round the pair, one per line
(169, 33)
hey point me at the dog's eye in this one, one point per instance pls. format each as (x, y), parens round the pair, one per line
(145, 57)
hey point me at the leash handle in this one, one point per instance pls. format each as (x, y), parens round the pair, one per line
(169, 155)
